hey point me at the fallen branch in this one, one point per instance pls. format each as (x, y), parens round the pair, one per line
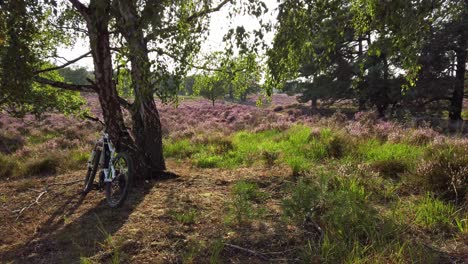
(36, 201)
(254, 253)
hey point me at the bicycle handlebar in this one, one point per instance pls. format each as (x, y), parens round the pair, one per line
(96, 119)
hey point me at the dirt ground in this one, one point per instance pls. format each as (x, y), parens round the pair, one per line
(61, 226)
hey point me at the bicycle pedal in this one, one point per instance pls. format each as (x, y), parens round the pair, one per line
(96, 186)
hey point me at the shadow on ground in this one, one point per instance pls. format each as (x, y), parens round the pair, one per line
(60, 241)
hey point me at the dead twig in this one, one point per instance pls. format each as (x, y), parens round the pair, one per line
(41, 193)
(254, 253)
(36, 201)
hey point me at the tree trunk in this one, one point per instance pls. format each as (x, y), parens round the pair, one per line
(314, 103)
(383, 98)
(146, 121)
(360, 86)
(456, 103)
(231, 93)
(97, 24)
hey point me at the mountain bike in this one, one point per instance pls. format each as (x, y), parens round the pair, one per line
(116, 172)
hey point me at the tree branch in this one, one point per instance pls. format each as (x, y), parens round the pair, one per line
(190, 19)
(66, 86)
(199, 67)
(78, 88)
(124, 103)
(434, 100)
(82, 9)
(66, 64)
(207, 11)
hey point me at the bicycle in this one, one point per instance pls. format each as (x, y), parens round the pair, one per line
(116, 174)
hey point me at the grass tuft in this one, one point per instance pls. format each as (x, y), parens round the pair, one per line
(246, 203)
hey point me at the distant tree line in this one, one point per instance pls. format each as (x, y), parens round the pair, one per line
(230, 78)
(77, 75)
(387, 55)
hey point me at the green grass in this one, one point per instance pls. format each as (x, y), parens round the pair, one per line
(179, 149)
(362, 197)
(299, 148)
(352, 230)
(43, 163)
(432, 213)
(186, 217)
(245, 204)
(464, 115)
(373, 150)
(294, 147)
(41, 138)
(8, 166)
(429, 214)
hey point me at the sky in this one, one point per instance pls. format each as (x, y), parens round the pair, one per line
(219, 25)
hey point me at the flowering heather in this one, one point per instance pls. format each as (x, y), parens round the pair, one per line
(197, 116)
(193, 116)
(422, 136)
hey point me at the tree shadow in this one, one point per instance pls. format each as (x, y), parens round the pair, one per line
(60, 242)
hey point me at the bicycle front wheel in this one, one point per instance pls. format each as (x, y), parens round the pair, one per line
(117, 190)
(91, 173)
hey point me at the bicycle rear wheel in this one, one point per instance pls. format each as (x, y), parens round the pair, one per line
(91, 173)
(117, 190)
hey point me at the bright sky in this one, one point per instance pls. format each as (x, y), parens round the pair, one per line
(219, 25)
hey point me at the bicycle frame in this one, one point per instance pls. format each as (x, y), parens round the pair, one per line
(107, 157)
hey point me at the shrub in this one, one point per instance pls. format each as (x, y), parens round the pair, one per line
(444, 171)
(390, 168)
(337, 146)
(9, 144)
(40, 166)
(270, 157)
(7, 166)
(245, 203)
(422, 136)
(306, 196)
(221, 145)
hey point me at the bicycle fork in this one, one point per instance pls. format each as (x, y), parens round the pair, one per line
(106, 161)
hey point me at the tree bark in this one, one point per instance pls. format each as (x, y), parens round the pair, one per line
(97, 23)
(146, 121)
(456, 103)
(314, 102)
(360, 86)
(383, 98)
(97, 17)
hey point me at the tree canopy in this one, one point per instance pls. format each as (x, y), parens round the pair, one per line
(236, 77)
(147, 45)
(372, 51)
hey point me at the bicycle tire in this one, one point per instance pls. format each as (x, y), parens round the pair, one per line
(121, 178)
(91, 173)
